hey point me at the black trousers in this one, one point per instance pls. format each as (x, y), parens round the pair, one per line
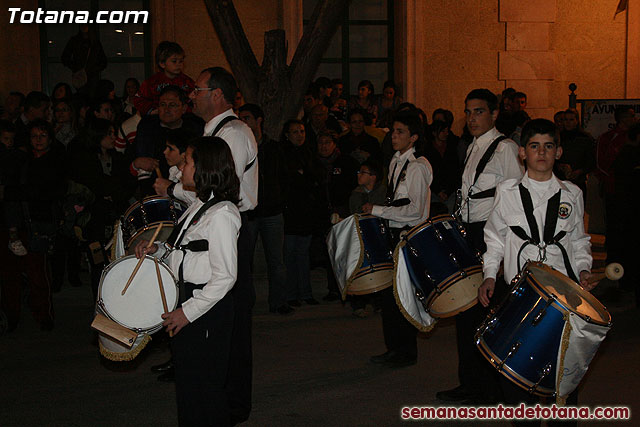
(201, 357)
(399, 334)
(239, 378)
(474, 371)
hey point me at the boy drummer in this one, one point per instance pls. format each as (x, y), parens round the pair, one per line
(408, 196)
(538, 218)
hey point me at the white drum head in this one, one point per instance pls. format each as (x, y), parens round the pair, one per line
(141, 306)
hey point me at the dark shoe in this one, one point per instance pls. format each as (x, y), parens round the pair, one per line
(163, 367)
(400, 360)
(381, 358)
(283, 309)
(294, 303)
(458, 394)
(168, 376)
(311, 301)
(331, 296)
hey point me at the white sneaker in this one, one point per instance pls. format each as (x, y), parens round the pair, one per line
(17, 248)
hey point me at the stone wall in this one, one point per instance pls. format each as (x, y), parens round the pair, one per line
(536, 47)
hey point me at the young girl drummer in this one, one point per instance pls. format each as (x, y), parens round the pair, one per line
(537, 208)
(204, 258)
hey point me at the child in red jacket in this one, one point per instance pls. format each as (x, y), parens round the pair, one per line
(170, 58)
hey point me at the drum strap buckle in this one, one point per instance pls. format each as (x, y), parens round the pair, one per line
(542, 252)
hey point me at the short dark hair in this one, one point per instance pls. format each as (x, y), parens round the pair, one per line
(35, 100)
(215, 171)
(572, 111)
(313, 90)
(96, 131)
(391, 84)
(519, 95)
(177, 90)
(438, 126)
(68, 92)
(374, 168)
(255, 111)
(7, 126)
(364, 113)
(124, 87)
(366, 83)
(336, 82)
(41, 124)
(287, 125)
(539, 127)
(180, 138)
(448, 115)
(412, 121)
(484, 95)
(617, 113)
(165, 49)
(219, 78)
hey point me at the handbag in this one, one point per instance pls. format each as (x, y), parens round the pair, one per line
(79, 78)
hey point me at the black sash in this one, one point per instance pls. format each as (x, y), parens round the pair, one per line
(393, 187)
(201, 245)
(482, 164)
(220, 125)
(550, 221)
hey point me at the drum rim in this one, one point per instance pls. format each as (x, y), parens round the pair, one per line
(541, 290)
(509, 373)
(428, 223)
(146, 228)
(137, 203)
(102, 308)
(448, 282)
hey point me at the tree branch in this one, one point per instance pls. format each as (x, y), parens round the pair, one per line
(237, 49)
(326, 18)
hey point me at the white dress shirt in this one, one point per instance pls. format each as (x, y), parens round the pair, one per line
(504, 164)
(414, 186)
(508, 211)
(217, 267)
(175, 174)
(244, 149)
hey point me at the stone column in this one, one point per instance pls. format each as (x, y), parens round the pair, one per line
(633, 50)
(409, 52)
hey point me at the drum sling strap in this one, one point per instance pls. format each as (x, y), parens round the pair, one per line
(550, 221)
(201, 245)
(482, 164)
(220, 125)
(392, 188)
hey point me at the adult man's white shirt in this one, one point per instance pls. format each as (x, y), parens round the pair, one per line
(244, 149)
(504, 164)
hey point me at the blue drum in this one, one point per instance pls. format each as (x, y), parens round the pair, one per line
(443, 268)
(375, 269)
(140, 220)
(529, 335)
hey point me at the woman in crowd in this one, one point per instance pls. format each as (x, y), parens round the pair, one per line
(387, 103)
(303, 209)
(61, 90)
(131, 86)
(365, 100)
(64, 121)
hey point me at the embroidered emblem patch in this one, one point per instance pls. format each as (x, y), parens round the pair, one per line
(337, 171)
(564, 210)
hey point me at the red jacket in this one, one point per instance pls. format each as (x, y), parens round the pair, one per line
(148, 95)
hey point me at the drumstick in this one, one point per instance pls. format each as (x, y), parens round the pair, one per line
(158, 173)
(135, 270)
(164, 298)
(613, 271)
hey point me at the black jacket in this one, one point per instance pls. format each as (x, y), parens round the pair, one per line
(272, 180)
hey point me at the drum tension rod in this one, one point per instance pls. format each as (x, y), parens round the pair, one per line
(545, 372)
(422, 300)
(366, 254)
(438, 234)
(413, 250)
(542, 312)
(512, 351)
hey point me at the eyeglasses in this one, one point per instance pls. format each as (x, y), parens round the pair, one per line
(365, 172)
(200, 89)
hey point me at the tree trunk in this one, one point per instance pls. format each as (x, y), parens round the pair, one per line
(277, 87)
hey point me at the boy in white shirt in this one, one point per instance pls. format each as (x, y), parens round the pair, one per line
(538, 218)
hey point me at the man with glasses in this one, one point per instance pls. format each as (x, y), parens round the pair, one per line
(213, 97)
(150, 138)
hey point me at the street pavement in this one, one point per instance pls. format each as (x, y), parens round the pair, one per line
(310, 368)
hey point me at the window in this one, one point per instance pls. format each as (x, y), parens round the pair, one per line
(126, 46)
(362, 48)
